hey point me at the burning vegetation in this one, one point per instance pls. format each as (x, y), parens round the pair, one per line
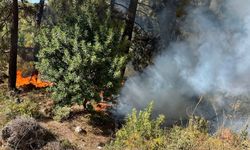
(105, 61)
(32, 80)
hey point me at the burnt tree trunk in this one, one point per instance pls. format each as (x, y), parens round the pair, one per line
(112, 6)
(14, 46)
(40, 13)
(129, 26)
(39, 16)
(130, 21)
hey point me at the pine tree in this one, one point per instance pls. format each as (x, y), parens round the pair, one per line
(14, 46)
(81, 55)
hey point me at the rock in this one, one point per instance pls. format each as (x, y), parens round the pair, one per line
(100, 145)
(80, 130)
(26, 134)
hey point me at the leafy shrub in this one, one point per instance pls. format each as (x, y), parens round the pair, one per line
(81, 56)
(198, 123)
(3, 91)
(196, 136)
(183, 138)
(25, 108)
(140, 132)
(4, 35)
(65, 144)
(61, 113)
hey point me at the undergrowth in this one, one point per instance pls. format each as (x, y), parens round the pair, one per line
(61, 113)
(25, 108)
(140, 132)
(11, 108)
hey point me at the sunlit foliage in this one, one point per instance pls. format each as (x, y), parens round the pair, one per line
(81, 53)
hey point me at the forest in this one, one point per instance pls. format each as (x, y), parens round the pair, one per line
(124, 74)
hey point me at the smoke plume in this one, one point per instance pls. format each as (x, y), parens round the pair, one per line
(212, 62)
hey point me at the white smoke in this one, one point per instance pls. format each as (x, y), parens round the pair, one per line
(213, 61)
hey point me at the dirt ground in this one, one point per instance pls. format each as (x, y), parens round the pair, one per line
(97, 128)
(92, 138)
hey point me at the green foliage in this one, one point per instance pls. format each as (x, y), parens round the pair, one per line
(244, 133)
(26, 28)
(81, 56)
(4, 32)
(144, 48)
(198, 123)
(186, 138)
(140, 132)
(182, 138)
(26, 108)
(11, 106)
(65, 144)
(3, 91)
(61, 113)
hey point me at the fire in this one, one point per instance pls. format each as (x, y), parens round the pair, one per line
(102, 107)
(227, 134)
(31, 80)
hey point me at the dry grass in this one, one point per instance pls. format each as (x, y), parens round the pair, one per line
(139, 133)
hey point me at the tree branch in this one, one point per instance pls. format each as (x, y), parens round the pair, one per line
(140, 3)
(121, 5)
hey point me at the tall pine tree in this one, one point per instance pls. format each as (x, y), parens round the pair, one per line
(14, 46)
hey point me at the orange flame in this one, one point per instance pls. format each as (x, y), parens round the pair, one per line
(102, 107)
(31, 80)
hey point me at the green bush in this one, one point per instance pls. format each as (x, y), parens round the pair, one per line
(81, 57)
(140, 132)
(182, 138)
(12, 109)
(61, 113)
(4, 34)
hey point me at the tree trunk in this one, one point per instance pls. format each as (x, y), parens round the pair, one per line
(129, 26)
(14, 46)
(130, 21)
(38, 23)
(40, 13)
(112, 5)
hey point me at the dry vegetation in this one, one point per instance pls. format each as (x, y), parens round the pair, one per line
(98, 129)
(140, 132)
(36, 103)
(82, 51)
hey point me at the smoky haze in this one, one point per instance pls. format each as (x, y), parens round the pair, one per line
(212, 61)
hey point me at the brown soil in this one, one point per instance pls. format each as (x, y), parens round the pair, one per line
(97, 129)
(90, 139)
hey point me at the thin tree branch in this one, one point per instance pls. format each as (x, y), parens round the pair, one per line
(145, 5)
(121, 5)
